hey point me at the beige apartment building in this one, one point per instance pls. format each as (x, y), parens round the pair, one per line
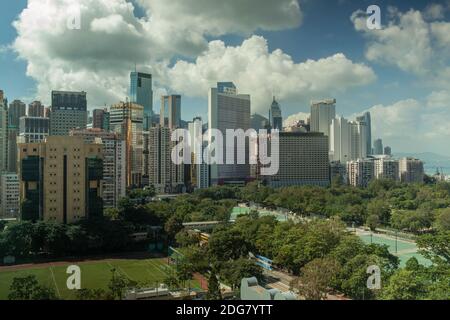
(60, 179)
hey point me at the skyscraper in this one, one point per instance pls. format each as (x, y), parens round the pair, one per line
(100, 119)
(366, 119)
(126, 119)
(17, 109)
(388, 151)
(170, 115)
(229, 110)
(3, 135)
(68, 111)
(164, 175)
(199, 169)
(322, 114)
(60, 180)
(275, 116)
(113, 153)
(33, 129)
(340, 140)
(358, 140)
(36, 109)
(141, 93)
(378, 147)
(360, 172)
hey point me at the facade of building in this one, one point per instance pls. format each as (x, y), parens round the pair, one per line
(3, 136)
(340, 140)
(36, 109)
(387, 168)
(170, 114)
(303, 159)
(360, 172)
(141, 93)
(388, 151)
(114, 174)
(33, 129)
(165, 176)
(199, 175)
(411, 170)
(322, 114)
(9, 195)
(259, 122)
(60, 180)
(275, 116)
(126, 119)
(228, 110)
(68, 111)
(367, 121)
(358, 143)
(100, 119)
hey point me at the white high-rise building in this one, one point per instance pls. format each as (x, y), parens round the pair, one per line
(358, 143)
(411, 170)
(387, 168)
(9, 195)
(164, 175)
(340, 142)
(322, 114)
(3, 137)
(229, 110)
(199, 168)
(360, 172)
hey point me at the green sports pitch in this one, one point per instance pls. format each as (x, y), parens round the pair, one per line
(94, 275)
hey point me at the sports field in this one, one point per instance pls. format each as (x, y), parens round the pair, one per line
(401, 248)
(94, 275)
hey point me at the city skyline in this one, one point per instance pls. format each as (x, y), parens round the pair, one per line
(341, 59)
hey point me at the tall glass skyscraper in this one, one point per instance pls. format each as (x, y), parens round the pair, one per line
(141, 92)
(276, 119)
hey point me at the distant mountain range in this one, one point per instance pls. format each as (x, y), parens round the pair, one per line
(432, 161)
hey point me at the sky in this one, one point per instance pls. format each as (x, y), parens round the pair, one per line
(297, 50)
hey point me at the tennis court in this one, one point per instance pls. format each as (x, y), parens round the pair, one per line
(401, 248)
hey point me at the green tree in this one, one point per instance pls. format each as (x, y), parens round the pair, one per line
(28, 288)
(213, 287)
(404, 285)
(118, 284)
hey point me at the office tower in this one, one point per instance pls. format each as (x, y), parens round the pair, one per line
(229, 110)
(126, 119)
(386, 168)
(9, 195)
(303, 159)
(340, 140)
(47, 112)
(113, 154)
(199, 174)
(141, 93)
(366, 119)
(360, 172)
(68, 111)
(36, 109)
(276, 119)
(164, 174)
(170, 114)
(378, 147)
(387, 151)
(322, 114)
(100, 119)
(411, 170)
(259, 122)
(358, 143)
(3, 137)
(60, 180)
(33, 129)
(17, 109)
